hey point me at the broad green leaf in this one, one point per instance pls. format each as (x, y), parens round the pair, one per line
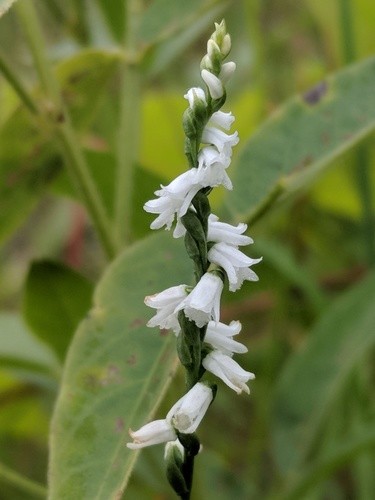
(301, 138)
(21, 351)
(115, 374)
(56, 298)
(314, 377)
(114, 12)
(166, 17)
(5, 5)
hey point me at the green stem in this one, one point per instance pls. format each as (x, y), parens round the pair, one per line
(55, 113)
(77, 168)
(362, 158)
(22, 483)
(129, 124)
(17, 85)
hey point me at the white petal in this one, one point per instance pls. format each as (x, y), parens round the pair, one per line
(226, 233)
(188, 412)
(213, 83)
(227, 70)
(195, 93)
(158, 431)
(223, 120)
(228, 370)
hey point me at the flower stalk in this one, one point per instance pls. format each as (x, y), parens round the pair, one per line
(204, 344)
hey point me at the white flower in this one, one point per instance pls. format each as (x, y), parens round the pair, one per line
(203, 303)
(166, 302)
(158, 431)
(221, 119)
(212, 167)
(174, 199)
(222, 141)
(187, 413)
(213, 83)
(195, 93)
(227, 70)
(235, 264)
(184, 416)
(226, 233)
(228, 370)
(220, 336)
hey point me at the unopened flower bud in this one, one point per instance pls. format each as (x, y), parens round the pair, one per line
(213, 83)
(206, 63)
(226, 45)
(227, 70)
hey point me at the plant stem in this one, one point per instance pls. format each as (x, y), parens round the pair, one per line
(59, 118)
(129, 124)
(17, 85)
(22, 483)
(362, 159)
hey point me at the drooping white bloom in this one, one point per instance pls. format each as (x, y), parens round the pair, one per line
(226, 233)
(221, 119)
(187, 413)
(203, 302)
(220, 336)
(184, 416)
(174, 199)
(235, 264)
(230, 372)
(222, 141)
(166, 302)
(195, 93)
(158, 431)
(213, 83)
(212, 167)
(227, 70)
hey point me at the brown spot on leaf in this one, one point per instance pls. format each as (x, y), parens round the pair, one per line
(315, 95)
(132, 359)
(164, 332)
(305, 162)
(137, 322)
(119, 425)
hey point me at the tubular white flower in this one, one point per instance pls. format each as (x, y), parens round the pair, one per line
(158, 431)
(213, 83)
(227, 70)
(203, 303)
(222, 141)
(174, 199)
(220, 336)
(195, 93)
(166, 302)
(226, 233)
(228, 370)
(235, 264)
(188, 412)
(221, 119)
(211, 168)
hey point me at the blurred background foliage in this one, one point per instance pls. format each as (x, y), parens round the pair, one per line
(307, 431)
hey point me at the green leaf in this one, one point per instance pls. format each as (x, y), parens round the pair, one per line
(314, 377)
(21, 351)
(56, 298)
(166, 17)
(114, 12)
(116, 372)
(5, 5)
(301, 138)
(363, 440)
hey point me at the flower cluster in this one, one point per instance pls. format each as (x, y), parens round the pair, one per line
(193, 313)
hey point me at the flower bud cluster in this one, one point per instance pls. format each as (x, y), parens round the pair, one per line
(193, 313)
